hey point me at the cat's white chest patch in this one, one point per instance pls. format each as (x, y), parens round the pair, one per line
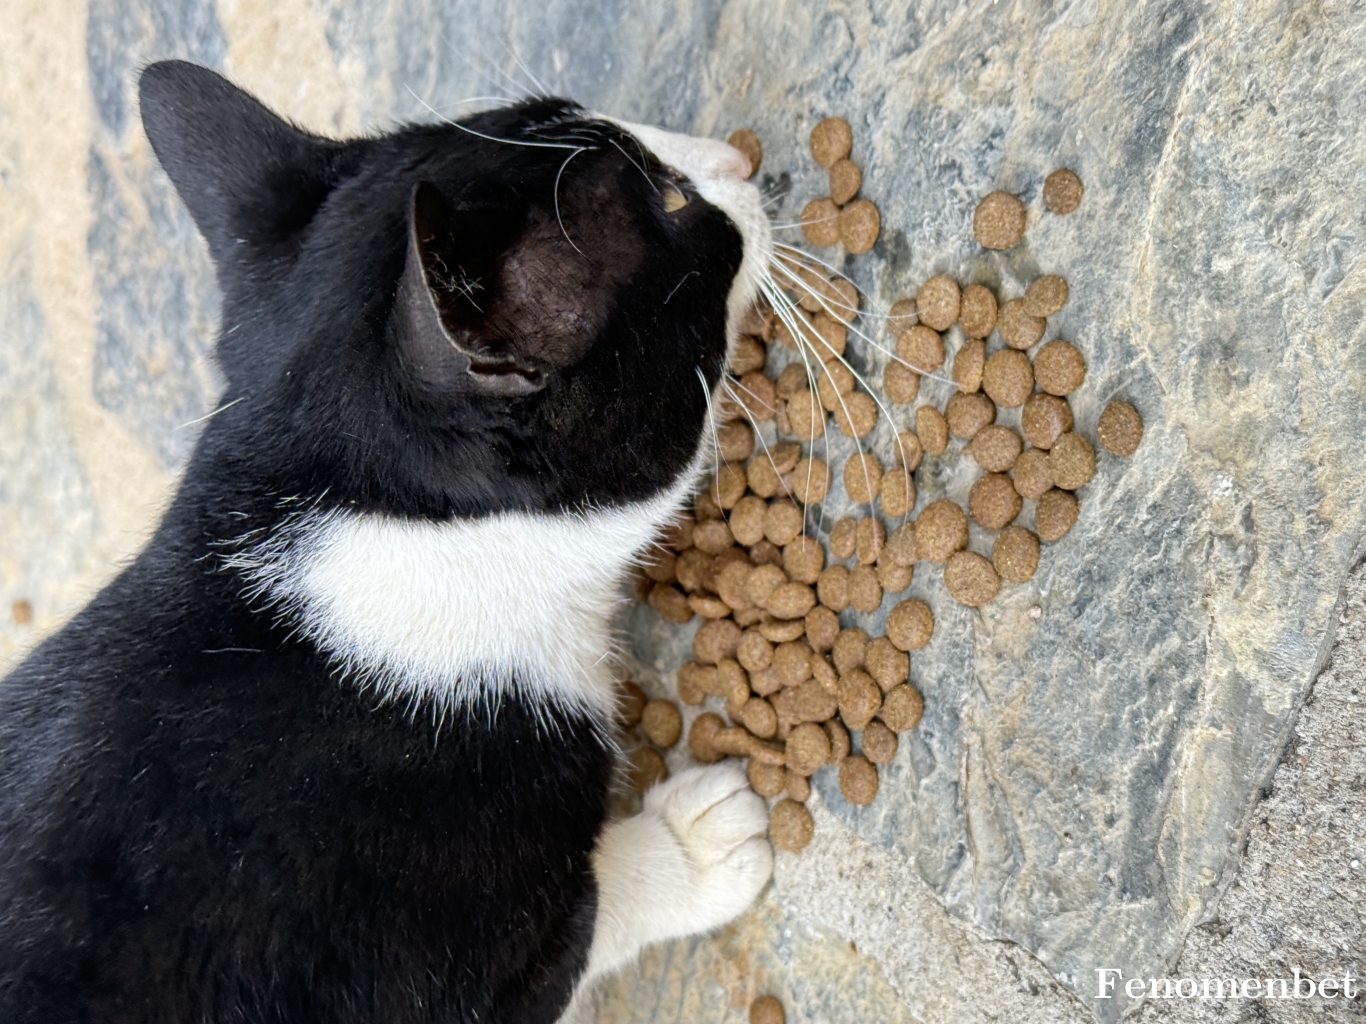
(453, 614)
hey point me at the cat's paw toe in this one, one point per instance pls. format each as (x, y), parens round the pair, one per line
(715, 817)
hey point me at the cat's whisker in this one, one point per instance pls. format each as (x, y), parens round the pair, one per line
(644, 173)
(758, 434)
(556, 196)
(210, 415)
(711, 419)
(491, 138)
(541, 91)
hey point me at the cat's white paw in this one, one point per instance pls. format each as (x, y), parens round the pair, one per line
(692, 860)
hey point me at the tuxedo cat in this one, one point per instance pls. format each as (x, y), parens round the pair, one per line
(335, 747)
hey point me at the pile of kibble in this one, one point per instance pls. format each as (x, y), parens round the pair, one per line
(795, 685)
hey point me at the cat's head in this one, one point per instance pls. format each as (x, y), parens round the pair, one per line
(522, 310)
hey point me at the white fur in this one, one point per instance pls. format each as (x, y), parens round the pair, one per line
(718, 171)
(692, 860)
(453, 613)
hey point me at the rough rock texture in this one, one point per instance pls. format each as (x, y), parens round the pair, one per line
(1095, 740)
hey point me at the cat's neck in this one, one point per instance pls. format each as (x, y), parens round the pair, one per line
(458, 614)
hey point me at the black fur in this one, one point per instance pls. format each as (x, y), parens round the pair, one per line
(198, 821)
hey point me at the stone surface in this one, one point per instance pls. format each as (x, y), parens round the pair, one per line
(1095, 740)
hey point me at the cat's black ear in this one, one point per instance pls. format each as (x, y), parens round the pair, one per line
(439, 304)
(246, 175)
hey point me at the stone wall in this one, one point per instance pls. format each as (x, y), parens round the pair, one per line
(1095, 741)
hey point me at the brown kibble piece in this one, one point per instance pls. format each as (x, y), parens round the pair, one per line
(791, 601)
(897, 493)
(994, 502)
(822, 626)
(792, 663)
(767, 1009)
(1072, 462)
(1045, 295)
(1008, 378)
(764, 480)
(910, 625)
(1056, 514)
(833, 587)
(1045, 418)
(780, 631)
(631, 702)
(811, 701)
(766, 779)
(763, 580)
(932, 429)
(860, 224)
(807, 748)
(728, 485)
(1031, 473)
(670, 603)
(798, 786)
(996, 447)
(757, 715)
(968, 364)
(678, 534)
(824, 673)
(21, 612)
(857, 416)
(831, 336)
(715, 640)
(999, 220)
(662, 723)
(709, 606)
(735, 442)
(879, 743)
(938, 301)
(748, 143)
(901, 317)
(977, 311)
(758, 395)
(900, 547)
(902, 708)
(790, 381)
(839, 740)
(845, 179)
(888, 666)
(900, 383)
(970, 578)
(803, 559)
(858, 779)
(908, 451)
(833, 383)
(647, 768)
(843, 536)
(1017, 328)
(1015, 557)
(869, 536)
(862, 477)
(732, 684)
(892, 576)
(790, 827)
(922, 348)
(747, 520)
(702, 737)
(860, 699)
(806, 415)
(695, 681)
(865, 592)
(849, 649)
(966, 414)
(753, 652)
(831, 140)
(1062, 191)
(766, 553)
(940, 530)
(1059, 368)
(712, 536)
(704, 509)
(782, 522)
(809, 481)
(1120, 429)
(660, 565)
(746, 355)
(821, 221)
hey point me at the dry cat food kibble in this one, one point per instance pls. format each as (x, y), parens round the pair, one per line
(1059, 368)
(748, 143)
(1071, 462)
(1120, 429)
(938, 302)
(860, 224)
(845, 179)
(647, 768)
(977, 311)
(970, 578)
(1045, 295)
(1062, 191)
(821, 221)
(1015, 555)
(767, 1010)
(831, 141)
(1055, 514)
(1017, 327)
(858, 780)
(790, 825)
(999, 220)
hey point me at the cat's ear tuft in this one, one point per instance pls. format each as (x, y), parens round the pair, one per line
(440, 323)
(246, 175)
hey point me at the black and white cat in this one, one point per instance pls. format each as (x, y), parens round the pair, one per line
(335, 747)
